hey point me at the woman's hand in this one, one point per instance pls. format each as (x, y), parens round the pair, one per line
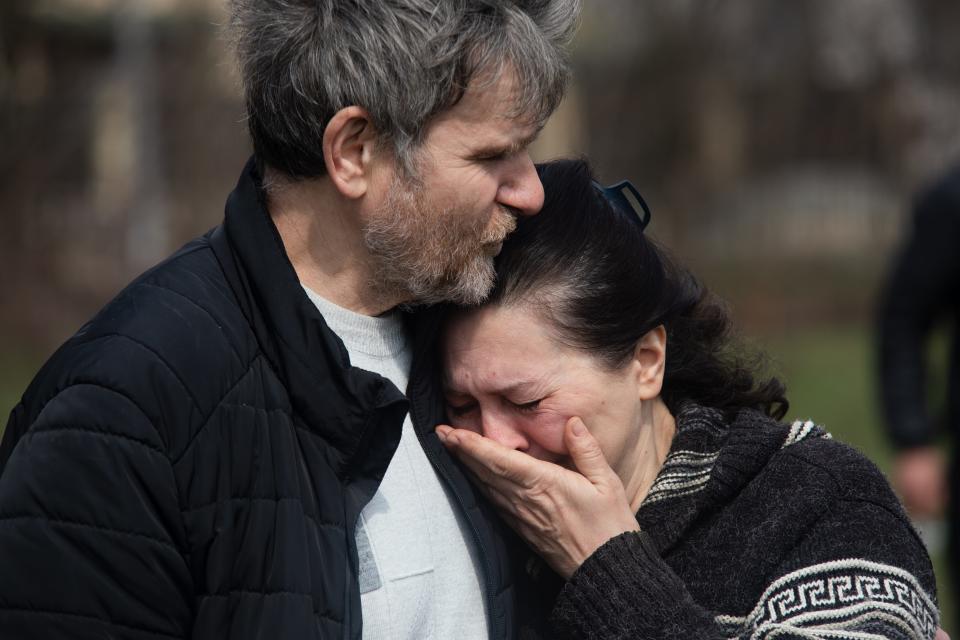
(564, 515)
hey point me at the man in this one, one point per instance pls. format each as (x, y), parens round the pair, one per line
(224, 450)
(922, 289)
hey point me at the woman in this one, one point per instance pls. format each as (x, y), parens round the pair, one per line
(598, 405)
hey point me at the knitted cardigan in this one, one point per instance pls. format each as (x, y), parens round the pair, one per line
(755, 530)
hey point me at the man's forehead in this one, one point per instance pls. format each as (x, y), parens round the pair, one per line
(503, 132)
(492, 98)
(489, 136)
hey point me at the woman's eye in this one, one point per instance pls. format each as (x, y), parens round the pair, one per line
(461, 410)
(527, 406)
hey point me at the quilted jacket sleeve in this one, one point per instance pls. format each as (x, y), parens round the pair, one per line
(91, 536)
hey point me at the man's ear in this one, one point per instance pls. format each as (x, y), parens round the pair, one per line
(650, 357)
(349, 146)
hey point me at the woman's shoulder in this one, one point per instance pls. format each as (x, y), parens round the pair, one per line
(861, 533)
(775, 467)
(838, 505)
(762, 457)
(828, 462)
(834, 466)
(831, 483)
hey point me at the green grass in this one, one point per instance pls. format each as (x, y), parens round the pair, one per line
(830, 376)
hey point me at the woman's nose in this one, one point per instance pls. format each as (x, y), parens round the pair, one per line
(502, 430)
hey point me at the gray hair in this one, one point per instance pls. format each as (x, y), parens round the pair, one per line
(403, 61)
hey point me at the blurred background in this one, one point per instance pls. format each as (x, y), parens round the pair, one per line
(778, 143)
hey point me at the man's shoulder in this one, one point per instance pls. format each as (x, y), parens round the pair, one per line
(171, 342)
(182, 308)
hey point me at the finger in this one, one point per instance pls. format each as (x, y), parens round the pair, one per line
(505, 507)
(513, 505)
(492, 461)
(492, 475)
(487, 488)
(514, 517)
(585, 452)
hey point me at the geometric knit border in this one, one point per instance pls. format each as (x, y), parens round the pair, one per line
(850, 598)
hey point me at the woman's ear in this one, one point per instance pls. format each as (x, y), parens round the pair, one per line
(349, 146)
(650, 357)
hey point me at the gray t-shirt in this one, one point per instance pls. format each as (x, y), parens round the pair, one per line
(419, 573)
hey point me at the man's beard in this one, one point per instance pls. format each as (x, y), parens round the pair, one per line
(429, 256)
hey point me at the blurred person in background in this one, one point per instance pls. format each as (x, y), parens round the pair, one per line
(601, 406)
(226, 449)
(923, 289)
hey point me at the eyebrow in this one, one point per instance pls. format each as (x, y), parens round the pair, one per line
(506, 390)
(516, 386)
(510, 148)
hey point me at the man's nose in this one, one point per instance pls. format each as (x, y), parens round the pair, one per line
(522, 191)
(501, 429)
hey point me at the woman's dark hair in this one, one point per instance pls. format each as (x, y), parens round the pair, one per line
(602, 284)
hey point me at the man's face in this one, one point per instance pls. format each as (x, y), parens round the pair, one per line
(433, 238)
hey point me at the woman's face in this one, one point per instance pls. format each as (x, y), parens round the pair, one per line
(509, 380)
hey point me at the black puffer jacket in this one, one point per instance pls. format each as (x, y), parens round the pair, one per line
(192, 463)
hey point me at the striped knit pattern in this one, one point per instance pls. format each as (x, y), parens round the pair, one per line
(683, 473)
(803, 429)
(686, 472)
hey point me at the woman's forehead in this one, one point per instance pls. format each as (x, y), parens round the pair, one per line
(495, 328)
(502, 349)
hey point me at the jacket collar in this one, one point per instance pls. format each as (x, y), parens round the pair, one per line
(357, 413)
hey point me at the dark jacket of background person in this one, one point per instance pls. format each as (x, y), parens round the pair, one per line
(924, 287)
(193, 461)
(753, 529)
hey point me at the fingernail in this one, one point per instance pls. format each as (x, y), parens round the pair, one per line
(578, 428)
